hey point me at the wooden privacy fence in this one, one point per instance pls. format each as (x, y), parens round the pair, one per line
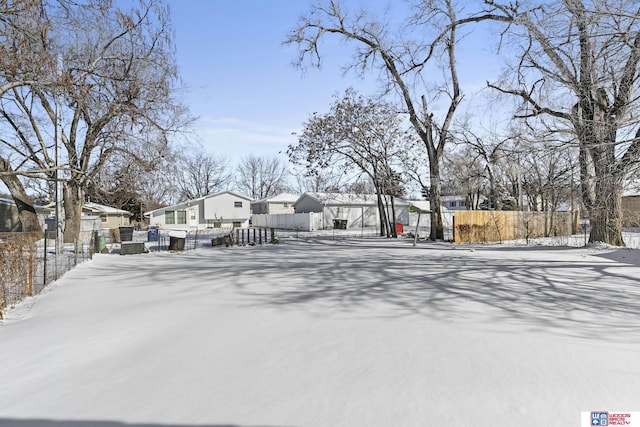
(498, 226)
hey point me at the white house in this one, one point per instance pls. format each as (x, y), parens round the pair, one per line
(454, 203)
(279, 204)
(357, 210)
(220, 210)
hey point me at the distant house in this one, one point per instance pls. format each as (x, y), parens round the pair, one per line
(109, 217)
(631, 204)
(454, 203)
(279, 204)
(357, 210)
(225, 209)
(10, 220)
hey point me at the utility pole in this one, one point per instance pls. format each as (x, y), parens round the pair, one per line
(57, 162)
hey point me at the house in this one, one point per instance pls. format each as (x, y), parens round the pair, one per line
(10, 220)
(225, 209)
(454, 203)
(279, 204)
(109, 217)
(631, 204)
(359, 211)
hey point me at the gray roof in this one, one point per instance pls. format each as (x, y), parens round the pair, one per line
(343, 199)
(282, 197)
(98, 208)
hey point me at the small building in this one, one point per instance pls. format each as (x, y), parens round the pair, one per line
(225, 209)
(631, 204)
(109, 217)
(358, 210)
(10, 220)
(279, 204)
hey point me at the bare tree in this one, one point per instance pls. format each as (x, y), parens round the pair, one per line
(317, 180)
(201, 174)
(402, 58)
(261, 177)
(489, 150)
(466, 175)
(358, 133)
(113, 91)
(23, 58)
(577, 65)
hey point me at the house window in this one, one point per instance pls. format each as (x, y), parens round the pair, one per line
(237, 224)
(182, 217)
(192, 215)
(103, 218)
(237, 204)
(285, 205)
(169, 217)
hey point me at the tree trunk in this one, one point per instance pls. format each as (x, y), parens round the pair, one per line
(605, 217)
(384, 223)
(73, 199)
(26, 210)
(394, 229)
(437, 229)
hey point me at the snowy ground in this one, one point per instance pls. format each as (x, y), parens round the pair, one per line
(328, 333)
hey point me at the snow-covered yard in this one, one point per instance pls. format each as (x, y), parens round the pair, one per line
(328, 333)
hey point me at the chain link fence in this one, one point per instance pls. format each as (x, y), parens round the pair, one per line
(28, 263)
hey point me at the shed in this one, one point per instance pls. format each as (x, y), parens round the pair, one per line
(358, 210)
(10, 220)
(110, 217)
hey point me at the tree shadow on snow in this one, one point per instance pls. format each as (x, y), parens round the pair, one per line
(580, 297)
(538, 288)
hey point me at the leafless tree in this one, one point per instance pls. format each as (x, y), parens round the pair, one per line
(465, 173)
(318, 180)
(23, 58)
(201, 174)
(134, 183)
(113, 91)
(358, 133)
(488, 149)
(261, 177)
(577, 67)
(402, 59)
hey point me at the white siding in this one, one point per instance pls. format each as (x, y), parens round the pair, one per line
(280, 208)
(222, 207)
(301, 221)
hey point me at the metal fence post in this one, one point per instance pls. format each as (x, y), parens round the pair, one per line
(44, 267)
(30, 292)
